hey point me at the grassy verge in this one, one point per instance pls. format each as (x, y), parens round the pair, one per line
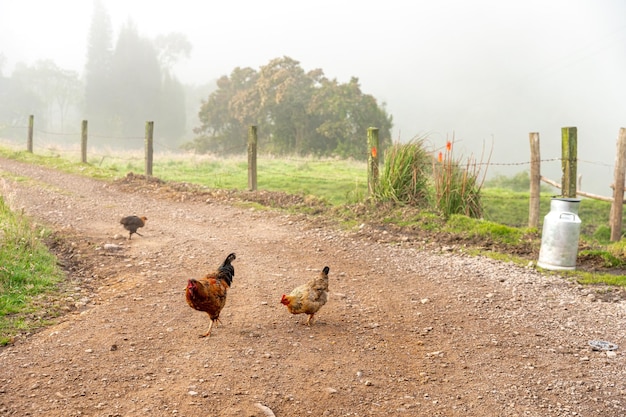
(27, 273)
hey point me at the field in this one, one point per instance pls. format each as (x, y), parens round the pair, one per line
(337, 181)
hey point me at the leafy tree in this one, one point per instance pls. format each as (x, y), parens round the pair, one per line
(345, 114)
(284, 91)
(296, 112)
(227, 113)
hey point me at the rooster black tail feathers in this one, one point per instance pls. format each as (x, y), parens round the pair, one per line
(326, 270)
(229, 259)
(227, 271)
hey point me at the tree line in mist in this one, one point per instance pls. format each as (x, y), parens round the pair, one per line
(130, 80)
(124, 84)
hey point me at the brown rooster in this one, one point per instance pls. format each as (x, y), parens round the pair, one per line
(308, 298)
(208, 293)
(132, 223)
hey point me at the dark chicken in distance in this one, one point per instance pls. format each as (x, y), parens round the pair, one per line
(308, 298)
(132, 223)
(208, 293)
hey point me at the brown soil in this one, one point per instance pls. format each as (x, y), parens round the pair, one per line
(413, 326)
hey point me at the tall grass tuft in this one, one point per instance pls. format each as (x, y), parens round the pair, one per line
(405, 175)
(456, 186)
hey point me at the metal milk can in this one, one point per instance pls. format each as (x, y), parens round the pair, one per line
(559, 238)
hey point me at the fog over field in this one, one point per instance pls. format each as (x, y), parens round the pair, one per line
(485, 72)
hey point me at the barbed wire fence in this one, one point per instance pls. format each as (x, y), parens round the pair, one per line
(75, 143)
(71, 140)
(166, 148)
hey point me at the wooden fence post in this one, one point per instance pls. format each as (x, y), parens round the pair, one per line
(252, 172)
(618, 187)
(149, 147)
(372, 160)
(569, 149)
(31, 127)
(535, 180)
(83, 142)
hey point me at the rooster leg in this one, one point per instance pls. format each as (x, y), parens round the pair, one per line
(309, 321)
(208, 333)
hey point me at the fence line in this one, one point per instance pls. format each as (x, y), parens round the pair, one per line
(569, 163)
(162, 145)
(291, 158)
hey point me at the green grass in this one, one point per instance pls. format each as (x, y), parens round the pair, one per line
(27, 272)
(511, 208)
(337, 181)
(484, 228)
(589, 278)
(56, 162)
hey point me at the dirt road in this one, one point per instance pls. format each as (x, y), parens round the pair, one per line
(406, 331)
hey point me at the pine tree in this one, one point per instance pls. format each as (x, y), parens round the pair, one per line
(98, 103)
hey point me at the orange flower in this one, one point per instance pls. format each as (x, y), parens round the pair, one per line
(374, 152)
(448, 146)
(440, 157)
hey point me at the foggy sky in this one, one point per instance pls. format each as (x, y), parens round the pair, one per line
(487, 72)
